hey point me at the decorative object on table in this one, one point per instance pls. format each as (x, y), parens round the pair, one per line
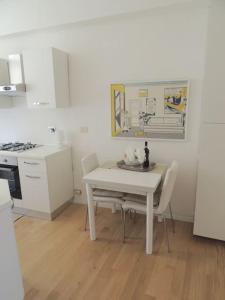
(146, 160)
(133, 157)
(137, 168)
(140, 155)
(156, 110)
(129, 156)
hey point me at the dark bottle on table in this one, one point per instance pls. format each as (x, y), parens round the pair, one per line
(146, 161)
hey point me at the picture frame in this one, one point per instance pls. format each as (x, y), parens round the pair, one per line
(150, 110)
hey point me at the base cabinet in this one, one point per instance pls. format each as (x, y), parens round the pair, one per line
(46, 184)
(35, 192)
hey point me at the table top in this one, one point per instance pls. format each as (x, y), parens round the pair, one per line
(109, 176)
(159, 168)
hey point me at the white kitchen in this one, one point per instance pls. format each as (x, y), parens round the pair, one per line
(111, 149)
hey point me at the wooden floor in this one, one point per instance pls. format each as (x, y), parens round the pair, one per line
(59, 261)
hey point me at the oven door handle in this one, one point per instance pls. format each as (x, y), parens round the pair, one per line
(31, 163)
(6, 169)
(33, 177)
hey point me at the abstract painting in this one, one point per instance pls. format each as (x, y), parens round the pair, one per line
(156, 110)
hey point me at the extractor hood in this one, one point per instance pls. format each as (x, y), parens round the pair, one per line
(11, 76)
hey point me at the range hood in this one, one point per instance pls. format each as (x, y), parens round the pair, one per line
(12, 76)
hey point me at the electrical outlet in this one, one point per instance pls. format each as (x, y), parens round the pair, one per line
(52, 129)
(77, 192)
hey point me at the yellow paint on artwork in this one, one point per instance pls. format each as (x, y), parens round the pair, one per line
(115, 88)
(143, 93)
(181, 107)
(139, 133)
(182, 92)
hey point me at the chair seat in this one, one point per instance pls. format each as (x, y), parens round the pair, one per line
(141, 199)
(107, 193)
(141, 207)
(108, 200)
(135, 198)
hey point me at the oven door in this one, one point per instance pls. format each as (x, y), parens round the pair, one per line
(11, 173)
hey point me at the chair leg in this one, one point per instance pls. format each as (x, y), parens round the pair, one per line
(86, 219)
(154, 228)
(166, 231)
(172, 219)
(130, 213)
(121, 212)
(122, 220)
(113, 208)
(96, 208)
(124, 224)
(134, 219)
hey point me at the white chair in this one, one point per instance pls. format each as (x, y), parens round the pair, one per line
(90, 163)
(164, 201)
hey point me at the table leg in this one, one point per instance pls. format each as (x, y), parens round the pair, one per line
(149, 224)
(114, 208)
(91, 212)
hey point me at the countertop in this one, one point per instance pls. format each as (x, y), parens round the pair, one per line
(40, 152)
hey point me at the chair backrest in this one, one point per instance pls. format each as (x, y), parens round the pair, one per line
(89, 163)
(167, 188)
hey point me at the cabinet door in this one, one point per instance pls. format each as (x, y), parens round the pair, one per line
(214, 83)
(39, 78)
(34, 186)
(5, 101)
(210, 203)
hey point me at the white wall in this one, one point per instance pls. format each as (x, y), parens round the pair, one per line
(164, 45)
(25, 15)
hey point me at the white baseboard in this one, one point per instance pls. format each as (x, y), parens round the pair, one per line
(183, 218)
(178, 217)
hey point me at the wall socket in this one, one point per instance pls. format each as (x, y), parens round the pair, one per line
(52, 129)
(77, 192)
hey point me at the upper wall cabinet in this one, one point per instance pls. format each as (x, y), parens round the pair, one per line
(5, 101)
(46, 77)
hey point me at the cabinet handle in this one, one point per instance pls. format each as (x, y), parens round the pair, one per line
(40, 103)
(31, 163)
(33, 177)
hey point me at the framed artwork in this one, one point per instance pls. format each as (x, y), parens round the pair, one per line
(156, 110)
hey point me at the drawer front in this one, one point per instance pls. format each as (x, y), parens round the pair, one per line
(35, 192)
(32, 166)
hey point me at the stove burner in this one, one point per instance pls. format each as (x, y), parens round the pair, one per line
(17, 147)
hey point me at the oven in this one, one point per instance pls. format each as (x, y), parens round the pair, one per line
(9, 171)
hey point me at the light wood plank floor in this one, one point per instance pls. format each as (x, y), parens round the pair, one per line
(60, 262)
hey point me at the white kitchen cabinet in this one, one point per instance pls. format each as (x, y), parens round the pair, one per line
(209, 220)
(46, 77)
(46, 184)
(210, 202)
(5, 101)
(35, 190)
(214, 82)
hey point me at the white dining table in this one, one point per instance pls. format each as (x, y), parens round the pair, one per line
(110, 177)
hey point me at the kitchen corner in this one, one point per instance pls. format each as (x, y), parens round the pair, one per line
(40, 178)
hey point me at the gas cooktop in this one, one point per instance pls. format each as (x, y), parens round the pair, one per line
(17, 147)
